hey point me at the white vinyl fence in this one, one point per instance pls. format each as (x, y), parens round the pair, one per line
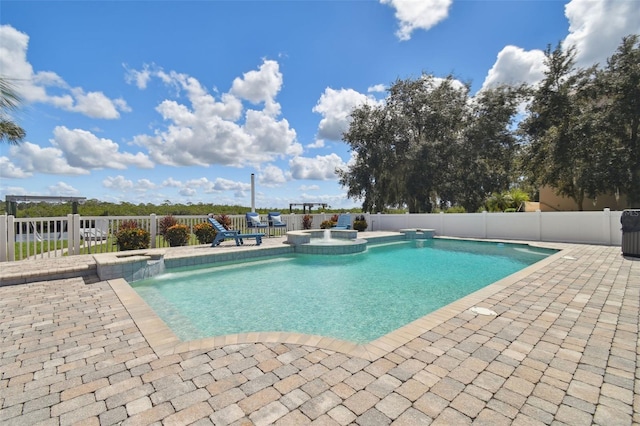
(37, 238)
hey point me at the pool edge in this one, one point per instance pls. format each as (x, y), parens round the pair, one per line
(165, 342)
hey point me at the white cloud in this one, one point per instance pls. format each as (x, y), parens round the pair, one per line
(271, 176)
(418, 15)
(217, 186)
(63, 189)
(118, 183)
(85, 150)
(198, 183)
(318, 143)
(335, 106)
(139, 78)
(221, 184)
(14, 190)
(97, 105)
(210, 131)
(318, 168)
(596, 28)
(187, 192)
(145, 185)
(274, 137)
(309, 188)
(515, 66)
(9, 170)
(32, 158)
(259, 86)
(33, 85)
(378, 88)
(172, 183)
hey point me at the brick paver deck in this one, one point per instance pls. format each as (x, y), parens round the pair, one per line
(562, 349)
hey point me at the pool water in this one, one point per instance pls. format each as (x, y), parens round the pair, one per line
(358, 297)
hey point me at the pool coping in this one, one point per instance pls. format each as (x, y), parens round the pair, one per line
(165, 342)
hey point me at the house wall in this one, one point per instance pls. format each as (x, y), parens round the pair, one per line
(550, 202)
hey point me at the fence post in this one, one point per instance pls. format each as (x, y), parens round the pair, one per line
(11, 238)
(71, 250)
(152, 231)
(442, 224)
(3, 238)
(606, 226)
(539, 225)
(484, 223)
(74, 234)
(293, 222)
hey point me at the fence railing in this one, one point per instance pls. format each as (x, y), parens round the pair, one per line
(38, 238)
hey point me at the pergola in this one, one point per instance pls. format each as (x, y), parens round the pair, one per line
(306, 205)
(12, 201)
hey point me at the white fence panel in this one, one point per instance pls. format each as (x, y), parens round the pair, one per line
(576, 227)
(470, 225)
(513, 226)
(386, 222)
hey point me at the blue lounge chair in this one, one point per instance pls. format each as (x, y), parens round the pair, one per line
(344, 222)
(253, 221)
(275, 220)
(223, 234)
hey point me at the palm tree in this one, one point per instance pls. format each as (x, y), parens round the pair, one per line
(10, 132)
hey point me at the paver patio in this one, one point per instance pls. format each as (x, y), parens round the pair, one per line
(562, 349)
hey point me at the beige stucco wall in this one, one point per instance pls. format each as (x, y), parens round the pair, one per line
(550, 202)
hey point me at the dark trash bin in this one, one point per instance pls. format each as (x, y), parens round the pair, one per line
(631, 232)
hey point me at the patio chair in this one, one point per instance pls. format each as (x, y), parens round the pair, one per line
(223, 234)
(253, 221)
(344, 222)
(275, 220)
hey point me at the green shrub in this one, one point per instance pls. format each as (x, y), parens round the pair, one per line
(224, 220)
(177, 235)
(326, 224)
(204, 232)
(456, 209)
(131, 237)
(307, 221)
(360, 223)
(166, 223)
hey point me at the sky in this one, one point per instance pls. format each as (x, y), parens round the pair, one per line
(182, 101)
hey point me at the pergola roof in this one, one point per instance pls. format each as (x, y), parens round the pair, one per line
(49, 199)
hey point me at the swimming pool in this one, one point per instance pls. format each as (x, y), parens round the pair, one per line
(357, 298)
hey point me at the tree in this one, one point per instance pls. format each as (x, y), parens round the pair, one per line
(372, 175)
(620, 106)
(402, 149)
(486, 162)
(426, 148)
(433, 113)
(582, 127)
(10, 132)
(560, 150)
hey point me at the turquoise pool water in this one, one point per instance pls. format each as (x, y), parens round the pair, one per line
(352, 297)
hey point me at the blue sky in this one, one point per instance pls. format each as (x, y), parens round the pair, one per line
(149, 101)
